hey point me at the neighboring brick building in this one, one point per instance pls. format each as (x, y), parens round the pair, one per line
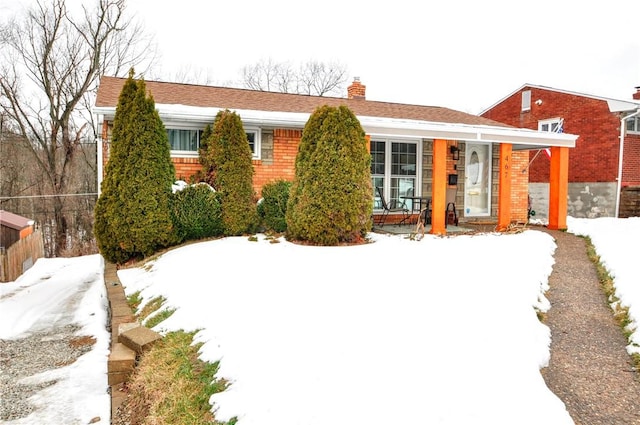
(594, 165)
(412, 146)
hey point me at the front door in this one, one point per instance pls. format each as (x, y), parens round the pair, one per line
(477, 181)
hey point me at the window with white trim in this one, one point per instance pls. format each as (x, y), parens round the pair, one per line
(184, 140)
(526, 100)
(394, 167)
(254, 138)
(187, 141)
(552, 126)
(633, 125)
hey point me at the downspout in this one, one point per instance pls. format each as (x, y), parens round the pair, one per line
(620, 157)
(99, 152)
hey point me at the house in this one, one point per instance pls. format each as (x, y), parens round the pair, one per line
(20, 245)
(422, 150)
(604, 167)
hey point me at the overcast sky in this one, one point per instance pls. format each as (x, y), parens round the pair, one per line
(465, 54)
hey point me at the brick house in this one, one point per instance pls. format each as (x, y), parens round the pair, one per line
(422, 150)
(604, 167)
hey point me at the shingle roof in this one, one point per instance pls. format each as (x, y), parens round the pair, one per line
(234, 98)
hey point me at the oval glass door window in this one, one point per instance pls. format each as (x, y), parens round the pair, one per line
(474, 168)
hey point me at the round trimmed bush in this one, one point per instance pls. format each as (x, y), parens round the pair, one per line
(273, 208)
(197, 212)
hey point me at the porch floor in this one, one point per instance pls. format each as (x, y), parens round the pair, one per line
(407, 229)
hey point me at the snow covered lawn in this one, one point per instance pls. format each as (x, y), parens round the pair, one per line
(441, 331)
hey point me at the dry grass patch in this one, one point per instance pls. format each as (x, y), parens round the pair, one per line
(82, 341)
(620, 312)
(172, 385)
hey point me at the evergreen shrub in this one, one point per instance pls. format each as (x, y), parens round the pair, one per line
(228, 161)
(197, 212)
(273, 208)
(330, 202)
(133, 213)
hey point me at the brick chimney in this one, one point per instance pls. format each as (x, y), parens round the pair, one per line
(636, 95)
(356, 90)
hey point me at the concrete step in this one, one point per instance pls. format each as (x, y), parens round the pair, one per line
(139, 338)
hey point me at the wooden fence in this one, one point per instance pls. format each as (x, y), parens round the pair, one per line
(20, 256)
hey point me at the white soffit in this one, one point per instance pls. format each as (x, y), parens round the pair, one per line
(622, 106)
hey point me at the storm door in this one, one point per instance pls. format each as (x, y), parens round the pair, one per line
(477, 182)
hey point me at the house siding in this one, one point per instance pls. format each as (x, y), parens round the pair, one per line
(281, 148)
(186, 167)
(631, 165)
(520, 187)
(519, 182)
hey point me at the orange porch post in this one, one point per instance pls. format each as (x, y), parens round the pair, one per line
(504, 187)
(558, 188)
(439, 187)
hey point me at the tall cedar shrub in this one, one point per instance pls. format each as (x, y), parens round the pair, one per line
(197, 212)
(228, 158)
(133, 212)
(273, 208)
(330, 199)
(207, 171)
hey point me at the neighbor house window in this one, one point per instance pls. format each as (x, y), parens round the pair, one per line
(526, 100)
(552, 126)
(394, 168)
(633, 125)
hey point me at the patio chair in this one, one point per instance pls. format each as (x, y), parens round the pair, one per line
(387, 208)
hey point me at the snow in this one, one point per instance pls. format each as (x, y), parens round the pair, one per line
(56, 292)
(442, 330)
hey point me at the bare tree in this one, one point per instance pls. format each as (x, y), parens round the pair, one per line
(318, 78)
(312, 78)
(51, 64)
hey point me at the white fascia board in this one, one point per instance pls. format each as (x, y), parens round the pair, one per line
(385, 127)
(203, 115)
(374, 126)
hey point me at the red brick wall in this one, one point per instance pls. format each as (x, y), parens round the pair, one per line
(631, 166)
(595, 157)
(282, 166)
(519, 187)
(186, 167)
(285, 150)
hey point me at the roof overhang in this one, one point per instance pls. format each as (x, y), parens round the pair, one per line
(622, 106)
(521, 139)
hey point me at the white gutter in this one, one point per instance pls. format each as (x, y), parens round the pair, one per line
(620, 157)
